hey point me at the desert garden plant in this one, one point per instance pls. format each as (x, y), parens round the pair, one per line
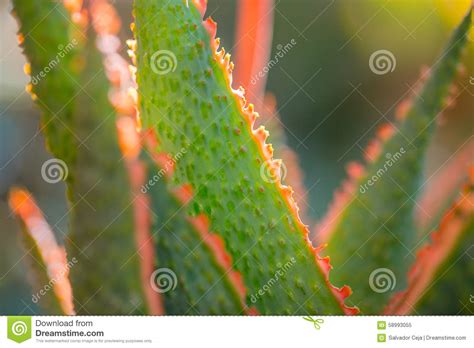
(189, 214)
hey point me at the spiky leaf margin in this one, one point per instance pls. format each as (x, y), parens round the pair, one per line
(372, 217)
(82, 133)
(48, 263)
(441, 280)
(195, 108)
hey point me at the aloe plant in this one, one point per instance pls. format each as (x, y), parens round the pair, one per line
(200, 222)
(79, 126)
(448, 259)
(370, 219)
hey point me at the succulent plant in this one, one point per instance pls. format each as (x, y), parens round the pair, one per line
(189, 214)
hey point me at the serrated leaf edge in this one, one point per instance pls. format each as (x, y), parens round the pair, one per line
(430, 257)
(53, 256)
(260, 135)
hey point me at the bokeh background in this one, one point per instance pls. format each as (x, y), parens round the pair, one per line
(328, 116)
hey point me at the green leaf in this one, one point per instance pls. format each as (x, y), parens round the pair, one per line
(44, 34)
(441, 281)
(79, 125)
(198, 283)
(371, 232)
(440, 189)
(102, 230)
(47, 261)
(233, 180)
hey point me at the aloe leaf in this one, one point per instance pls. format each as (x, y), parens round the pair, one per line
(254, 31)
(202, 279)
(142, 219)
(291, 171)
(370, 229)
(79, 125)
(186, 275)
(441, 281)
(441, 188)
(190, 105)
(44, 33)
(107, 25)
(102, 216)
(198, 271)
(48, 264)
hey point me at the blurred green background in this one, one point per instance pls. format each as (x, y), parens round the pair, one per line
(328, 116)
